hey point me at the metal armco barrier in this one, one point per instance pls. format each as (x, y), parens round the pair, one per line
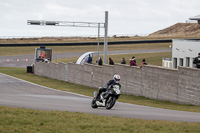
(85, 43)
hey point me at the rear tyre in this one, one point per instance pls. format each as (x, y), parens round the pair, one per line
(110, 102)
(93, 103)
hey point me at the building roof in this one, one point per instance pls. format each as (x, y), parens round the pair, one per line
(190, 40)
(195, 17)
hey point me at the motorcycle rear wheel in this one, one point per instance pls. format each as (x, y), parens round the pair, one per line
(110, 102)
(93, 103)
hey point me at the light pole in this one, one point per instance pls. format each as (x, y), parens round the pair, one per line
(98, 41)
(79, 24)
(105, 38)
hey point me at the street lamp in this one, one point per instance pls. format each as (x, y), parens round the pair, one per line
(33, 22)
(51, 23)
(79, 24)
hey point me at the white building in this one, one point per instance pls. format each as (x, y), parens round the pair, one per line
(184, 52)
(196, 18)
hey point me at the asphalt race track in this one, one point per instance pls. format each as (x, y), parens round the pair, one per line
(23, 63)
(18, 93)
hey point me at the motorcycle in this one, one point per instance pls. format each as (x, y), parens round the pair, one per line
(107, 99)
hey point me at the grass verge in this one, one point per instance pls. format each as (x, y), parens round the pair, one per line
(151, 58)
(18, 120)
(7, 51)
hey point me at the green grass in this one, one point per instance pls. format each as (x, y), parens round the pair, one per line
(151, 58)
(6, 51)
(18, 120)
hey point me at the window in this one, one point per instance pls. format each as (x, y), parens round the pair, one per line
(193, 65)
(181, 62)
(187, 61)
(175, 63)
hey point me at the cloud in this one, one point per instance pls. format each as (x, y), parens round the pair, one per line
(125, 17)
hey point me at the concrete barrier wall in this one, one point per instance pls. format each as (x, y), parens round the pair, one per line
(176, 85)
(51, 70)
(160, 83)
(189, 86)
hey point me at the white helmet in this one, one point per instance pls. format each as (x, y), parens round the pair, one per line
(116, 78)
(46, 61)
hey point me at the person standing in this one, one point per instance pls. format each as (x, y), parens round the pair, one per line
(89, 59)
(197, 61)
(143, 63)
(133, 58)
(111, 62)
(100, 61)
(132, 62)
(123, 61)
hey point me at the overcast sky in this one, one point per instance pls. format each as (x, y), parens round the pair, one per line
(125, 16)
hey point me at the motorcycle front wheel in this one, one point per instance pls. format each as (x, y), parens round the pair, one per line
(110, 102)
(93, 103)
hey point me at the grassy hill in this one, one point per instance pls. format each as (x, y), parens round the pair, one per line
(179, 30)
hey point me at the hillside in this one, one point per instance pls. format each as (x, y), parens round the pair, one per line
(179, 29)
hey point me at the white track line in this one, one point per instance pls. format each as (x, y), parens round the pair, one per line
(44, 86)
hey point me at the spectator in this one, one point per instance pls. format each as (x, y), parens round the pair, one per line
(197, 61)
(46, 61)
(143, 62)
(133, 58)
(100, 61)
(111, 62)
(42, 55)
(89, 59)
(123, 61)
(132, 62)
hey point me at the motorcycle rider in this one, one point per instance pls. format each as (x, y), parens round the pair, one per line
(110, 84)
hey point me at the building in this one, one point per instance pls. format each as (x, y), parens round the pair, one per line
(184, 51)
(196, 18)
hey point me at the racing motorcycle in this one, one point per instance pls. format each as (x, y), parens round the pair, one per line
(107, 99)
